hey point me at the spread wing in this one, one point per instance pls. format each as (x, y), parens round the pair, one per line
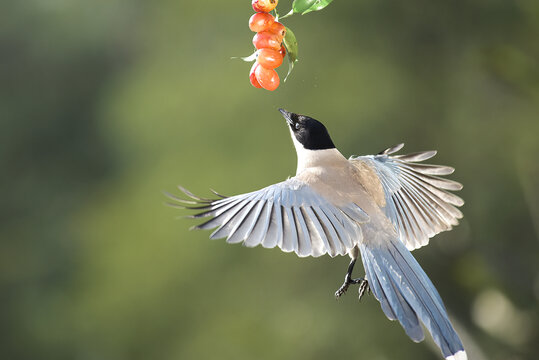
(416, 198)
(289, 215)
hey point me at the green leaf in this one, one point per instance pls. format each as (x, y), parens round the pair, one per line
(290, 67)
(291, 12)
(299, 6)
(306, 6)
(249, 58)
(291, 45)
(318, 5)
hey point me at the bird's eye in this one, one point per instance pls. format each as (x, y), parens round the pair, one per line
(297, 126)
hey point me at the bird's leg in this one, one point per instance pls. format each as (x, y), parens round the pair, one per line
(363, 284)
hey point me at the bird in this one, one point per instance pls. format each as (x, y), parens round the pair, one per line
(376, 207)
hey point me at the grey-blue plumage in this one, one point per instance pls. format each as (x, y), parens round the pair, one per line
(407, 294)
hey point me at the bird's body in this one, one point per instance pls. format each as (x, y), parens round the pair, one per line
(378, 207)
(361, 188)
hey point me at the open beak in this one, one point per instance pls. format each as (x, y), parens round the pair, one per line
(288, 116)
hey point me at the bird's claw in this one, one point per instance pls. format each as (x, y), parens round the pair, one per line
(363, 285)
(342, 290)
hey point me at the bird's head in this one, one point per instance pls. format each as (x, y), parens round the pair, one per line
(307, 132)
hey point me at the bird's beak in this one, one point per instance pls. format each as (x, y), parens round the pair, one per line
(288, 116)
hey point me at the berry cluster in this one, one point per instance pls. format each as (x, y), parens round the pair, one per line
(268, 42)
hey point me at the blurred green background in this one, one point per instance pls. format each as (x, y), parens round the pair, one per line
(105, 104)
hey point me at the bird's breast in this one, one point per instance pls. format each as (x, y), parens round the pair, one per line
(340, 185)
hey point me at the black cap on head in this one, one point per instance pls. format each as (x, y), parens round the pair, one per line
(311, 133)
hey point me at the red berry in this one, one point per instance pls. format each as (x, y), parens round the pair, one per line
(267, 78)
(266, 39)
(252, 76)
(278, 28)
(261, 22)
(264, 5)
(269, 58)
(282, 51)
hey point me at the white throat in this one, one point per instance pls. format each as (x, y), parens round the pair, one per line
(315, 158)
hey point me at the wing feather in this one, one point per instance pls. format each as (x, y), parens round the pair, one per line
(343, 235)
(428, 169)
(290, 238)
(240, 224)
(417, 156)
(256, 235)
(304, 240)
(322, 246)
(418, 199)
(289, 215)
(274, 236)
(333, 239)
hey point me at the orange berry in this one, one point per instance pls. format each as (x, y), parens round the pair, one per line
(265, 39)
(269, 58)
(261, 22)
(267, 78)
(282, 51)
(252, 76)
(278, 28)
(264, 5)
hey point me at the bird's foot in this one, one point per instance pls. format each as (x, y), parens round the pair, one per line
(342, 290)
(363, 285)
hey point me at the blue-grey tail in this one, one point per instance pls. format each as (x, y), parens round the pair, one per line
(407, 294)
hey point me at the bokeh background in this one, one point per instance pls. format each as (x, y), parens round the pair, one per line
(105, 104)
